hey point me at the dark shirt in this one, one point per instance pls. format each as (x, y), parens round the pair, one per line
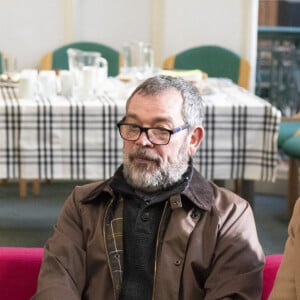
(142, 214)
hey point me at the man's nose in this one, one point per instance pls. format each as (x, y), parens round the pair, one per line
(143, 140)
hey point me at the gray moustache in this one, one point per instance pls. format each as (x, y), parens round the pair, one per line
(144, 156)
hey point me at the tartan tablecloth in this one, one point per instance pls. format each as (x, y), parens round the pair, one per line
(64, 138)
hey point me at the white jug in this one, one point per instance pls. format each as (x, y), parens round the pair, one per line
(88, 69)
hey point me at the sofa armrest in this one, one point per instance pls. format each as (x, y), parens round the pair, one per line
(19, 269)
(270, 270)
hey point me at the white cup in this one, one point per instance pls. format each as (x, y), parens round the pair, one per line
(47, 83)
(27, 88)
(28, 84)
(66, 83)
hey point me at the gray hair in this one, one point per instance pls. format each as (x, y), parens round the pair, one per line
(192, 109)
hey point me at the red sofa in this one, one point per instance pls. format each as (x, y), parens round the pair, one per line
(271, 267)
(19, 268)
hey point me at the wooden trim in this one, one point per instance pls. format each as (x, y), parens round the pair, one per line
(71, 20)
(169, 62)
(294, 118)
(156, 29)
(244, 74)
(46, 62)
(121, 61)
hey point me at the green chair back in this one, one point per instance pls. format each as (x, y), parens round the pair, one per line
(216, 61)
(292, 146)
(287, 130)
(60, 57)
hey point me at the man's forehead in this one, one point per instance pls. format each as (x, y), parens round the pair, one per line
(161, 95)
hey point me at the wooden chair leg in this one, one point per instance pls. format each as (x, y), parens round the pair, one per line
(247, 191)
(36, 187)
(23, 188)
(292, 184)
(238, 186)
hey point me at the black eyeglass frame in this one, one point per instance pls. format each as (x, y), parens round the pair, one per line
(145, 129)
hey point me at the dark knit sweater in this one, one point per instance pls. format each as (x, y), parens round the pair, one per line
(142, 214)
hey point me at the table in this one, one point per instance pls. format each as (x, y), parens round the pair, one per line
(67, 138)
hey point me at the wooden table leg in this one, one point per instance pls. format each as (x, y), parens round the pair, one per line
(242, 187)
(22, 188)
(237, 186)
(292, 184)
(247, 191)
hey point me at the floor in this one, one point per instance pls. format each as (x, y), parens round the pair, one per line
(28, 221)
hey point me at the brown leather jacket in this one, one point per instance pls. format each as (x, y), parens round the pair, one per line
(209, 249)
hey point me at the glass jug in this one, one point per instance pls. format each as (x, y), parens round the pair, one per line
(138, 57)
(88, 69)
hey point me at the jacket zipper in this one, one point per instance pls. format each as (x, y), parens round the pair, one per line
(156, 247)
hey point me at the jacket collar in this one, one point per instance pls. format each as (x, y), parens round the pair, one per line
(198, 191)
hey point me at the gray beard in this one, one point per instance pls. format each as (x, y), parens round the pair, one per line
(155, 177)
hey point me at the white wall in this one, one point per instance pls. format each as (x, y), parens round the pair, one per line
(229, 23)
(203, 22)
(114, 21)
(29, 29)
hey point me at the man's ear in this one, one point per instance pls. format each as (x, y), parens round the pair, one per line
(196, 137)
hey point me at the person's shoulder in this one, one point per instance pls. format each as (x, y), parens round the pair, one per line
(227, 202)
(90, 191)
(297, 207)
(295, 219)
(87, 187)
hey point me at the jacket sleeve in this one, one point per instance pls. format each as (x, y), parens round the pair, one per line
(237, 263)
(285, 282)
(62, 274)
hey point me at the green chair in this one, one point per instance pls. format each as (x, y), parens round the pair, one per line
(58, 59)
(216, 61)
(287, 129)
(292, 148)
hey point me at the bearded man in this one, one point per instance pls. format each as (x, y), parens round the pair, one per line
(157, 229)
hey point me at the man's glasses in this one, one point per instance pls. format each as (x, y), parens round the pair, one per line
(156, 135)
